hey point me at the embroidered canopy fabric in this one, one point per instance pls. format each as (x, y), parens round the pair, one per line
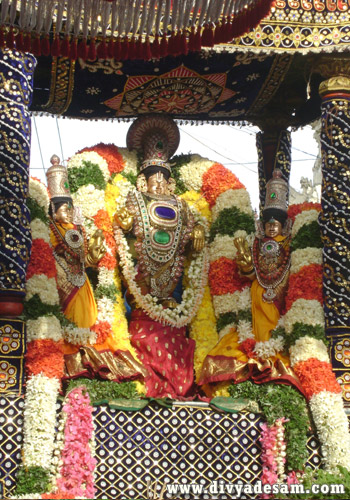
(268, 69)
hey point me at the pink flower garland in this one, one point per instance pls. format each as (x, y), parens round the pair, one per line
(76, 476)
(273, 456)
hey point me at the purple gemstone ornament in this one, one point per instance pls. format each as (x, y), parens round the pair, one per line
(165, 213)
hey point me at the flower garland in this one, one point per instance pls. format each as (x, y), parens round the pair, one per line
(192, 295)
(303, 328)
(76, 474)
(44, 358)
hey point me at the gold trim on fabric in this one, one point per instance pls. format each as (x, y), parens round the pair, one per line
(61, 86)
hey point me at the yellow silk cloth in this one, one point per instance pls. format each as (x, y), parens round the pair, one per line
(226, 361)
(81, 308)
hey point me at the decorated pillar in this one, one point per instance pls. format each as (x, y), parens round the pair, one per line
(16, 86)
(274, 151)
(335, 213)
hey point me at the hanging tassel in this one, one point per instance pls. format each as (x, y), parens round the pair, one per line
(217, 34)
(10, 39)
(139, 51)
(102, 50)
(2, 37)
(171, 43)
(55, 47)
(92, 50)
(156, 48)
(164, 47)
(208, 36)
(132, 49)
(147, 53)
(228, 28)
(191, 41)
(27, 42)
(125, 49)
(19, 42)
(82, 50)
(117, 49)
(183, 43)
(111, 48)
(36, 47)
(177, 44)
(73, 52)
(198, 40)
(64, 48)
(45, 46)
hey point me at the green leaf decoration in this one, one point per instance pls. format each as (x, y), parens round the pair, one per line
(277, 401)
(105, 390)
(308, 235)
(179, 161)
(319, 477)
(32, 480)
(34, 308)
(90, 173)
(231, 220)
(36, 211)
(232, 317)
(300, 330)
(130, 176)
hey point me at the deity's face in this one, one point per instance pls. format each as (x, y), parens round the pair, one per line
(157, 184)
(273, 228)
(64, 213)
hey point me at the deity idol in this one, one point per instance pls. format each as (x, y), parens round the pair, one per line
(267, 266)
(158, 231)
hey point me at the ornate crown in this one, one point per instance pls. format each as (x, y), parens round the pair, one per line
(57, 181)
(156, 137)
(276, 192)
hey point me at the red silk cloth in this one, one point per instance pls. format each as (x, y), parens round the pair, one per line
(167, 355)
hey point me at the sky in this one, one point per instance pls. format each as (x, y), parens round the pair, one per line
(233, 146)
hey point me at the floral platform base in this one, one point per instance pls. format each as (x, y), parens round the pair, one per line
(139, 450)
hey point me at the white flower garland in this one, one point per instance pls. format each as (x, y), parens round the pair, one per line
(79, 336)
(238, 198)
(245, 330)
(332, 427)
(45, 327)
(40, 230)
(40, 420)
(192, 295)
(309, 312)
(305, 257)
(43, 286)
(192, 173)
(130, 161)
(306, 348)
(39, 193)
(232, 302)
(269, 348)
(77, 161)
(305, 217)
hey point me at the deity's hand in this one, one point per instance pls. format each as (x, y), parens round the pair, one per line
(244, 257)
(123, 219)
(198, 238)
(96, 248)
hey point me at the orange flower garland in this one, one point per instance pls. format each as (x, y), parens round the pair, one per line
(110, 153)
(224, 277)
(316, 376)
(45, 356)
(103, 330)
(103, 221)
(108, 261)
(295, 210)
(216, 180)
(305, 284)
(42, 260)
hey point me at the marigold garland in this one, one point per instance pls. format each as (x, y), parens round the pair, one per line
(295, 210)
(45, 356)
(224, 277)
(42, 260)
(110, 153)
(315, 376)
(102, 329)
(216, 180)
(305, 284)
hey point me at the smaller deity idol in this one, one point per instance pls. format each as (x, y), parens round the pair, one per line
(267, 266)
(71, 250)
(160, 231)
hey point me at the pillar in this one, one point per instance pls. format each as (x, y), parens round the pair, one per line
(335, 213)
(16, 87)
